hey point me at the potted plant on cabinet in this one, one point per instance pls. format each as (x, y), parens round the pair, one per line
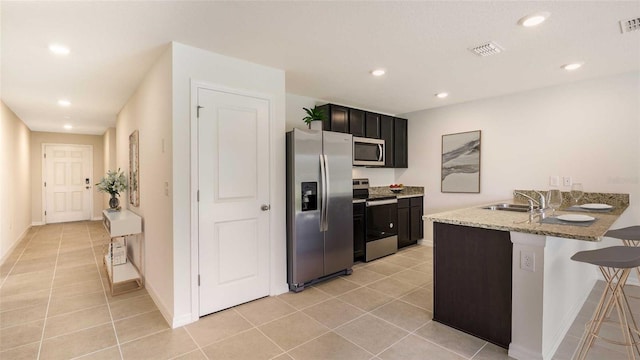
(315, 117)
(113, 183)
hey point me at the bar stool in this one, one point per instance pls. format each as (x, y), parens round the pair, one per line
(615, 264)
(630, 236)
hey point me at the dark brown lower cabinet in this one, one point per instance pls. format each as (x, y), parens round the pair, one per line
(410, 223)
(359, 228)
(472, 281)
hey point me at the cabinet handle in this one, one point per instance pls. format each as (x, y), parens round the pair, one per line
(265, 207)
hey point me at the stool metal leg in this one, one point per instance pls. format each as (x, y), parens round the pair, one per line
(634, 243)
(612, 297)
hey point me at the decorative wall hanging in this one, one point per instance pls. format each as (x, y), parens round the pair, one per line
(461, 162)
(134, 172)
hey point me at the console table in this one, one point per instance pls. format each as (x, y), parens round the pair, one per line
(122, 272)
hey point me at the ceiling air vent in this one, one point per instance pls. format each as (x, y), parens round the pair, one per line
(630, 25)
(487, 49)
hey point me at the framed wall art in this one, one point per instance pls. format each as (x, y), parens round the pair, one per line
(461, 162)
(134, 171)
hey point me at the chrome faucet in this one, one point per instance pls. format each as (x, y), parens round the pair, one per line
(541, 202)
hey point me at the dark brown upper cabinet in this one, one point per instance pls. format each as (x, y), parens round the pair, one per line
(356, 122)
(386, 134)
(336, 119)
(400, 144)
(372, 125)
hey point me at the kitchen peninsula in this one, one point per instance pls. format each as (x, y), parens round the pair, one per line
(510, 281)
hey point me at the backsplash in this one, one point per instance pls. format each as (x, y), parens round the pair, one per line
(615, 200)
(407, 191)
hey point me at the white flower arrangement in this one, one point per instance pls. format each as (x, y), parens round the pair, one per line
(113, 183)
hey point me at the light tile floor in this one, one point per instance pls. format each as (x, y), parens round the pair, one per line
(55, 304)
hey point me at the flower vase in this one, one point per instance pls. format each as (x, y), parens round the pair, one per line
(315, 125)
(114, 202)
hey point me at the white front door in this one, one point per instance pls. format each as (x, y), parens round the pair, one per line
(67, 183)
(233, 183)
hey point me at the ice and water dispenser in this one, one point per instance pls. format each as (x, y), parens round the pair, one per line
(309, 196)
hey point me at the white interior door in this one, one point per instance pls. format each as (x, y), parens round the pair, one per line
(67, 183)
(233, 182)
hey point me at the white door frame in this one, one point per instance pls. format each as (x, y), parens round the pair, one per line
(195, 216)
(43, 189)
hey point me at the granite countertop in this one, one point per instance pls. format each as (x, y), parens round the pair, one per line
(517, 221)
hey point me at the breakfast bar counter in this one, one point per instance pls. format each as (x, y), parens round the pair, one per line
(506, 277)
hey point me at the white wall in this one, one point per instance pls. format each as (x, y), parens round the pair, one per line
(109, 154)
(295, 113)
(589, 130)
(192, 64)
(15, 180)
(149, 111)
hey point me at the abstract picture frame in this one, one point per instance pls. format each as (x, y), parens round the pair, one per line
(134, 169)
(460, 172)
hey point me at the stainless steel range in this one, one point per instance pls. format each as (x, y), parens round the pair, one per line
(381, 236)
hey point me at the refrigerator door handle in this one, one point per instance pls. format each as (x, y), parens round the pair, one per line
(327, 193)
(323, 198)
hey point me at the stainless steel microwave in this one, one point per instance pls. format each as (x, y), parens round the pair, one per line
(368, 152)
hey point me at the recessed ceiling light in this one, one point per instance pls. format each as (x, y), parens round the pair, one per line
(442, 95)
(378, 72)
(534, 19)
(68, 127)
(572, 66)
(64, 102)
(59, 49)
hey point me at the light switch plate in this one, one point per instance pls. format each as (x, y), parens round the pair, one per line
(554, 180)
(566, 180)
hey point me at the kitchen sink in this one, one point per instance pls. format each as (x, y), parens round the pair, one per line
(509, 207)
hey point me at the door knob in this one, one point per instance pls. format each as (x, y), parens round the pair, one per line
(265, 207)
(88, 187)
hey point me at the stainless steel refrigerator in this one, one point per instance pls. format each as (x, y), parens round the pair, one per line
(319, 206)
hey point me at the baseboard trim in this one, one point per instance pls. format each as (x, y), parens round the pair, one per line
(96, 218)
(37, 223)
(14, 245)
(173, 321)
(520, 353)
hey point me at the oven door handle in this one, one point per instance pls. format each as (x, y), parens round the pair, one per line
(381, 202)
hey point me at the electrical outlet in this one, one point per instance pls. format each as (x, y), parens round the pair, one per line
(566, 180)
(554, 180)
(527, 261)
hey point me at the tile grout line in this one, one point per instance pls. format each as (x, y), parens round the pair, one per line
(18, 259)
(53, 278)
(199, 348)
(106, 298)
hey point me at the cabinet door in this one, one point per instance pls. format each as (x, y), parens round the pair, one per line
(386, 134)
(336, 118)
(339, 119)
(404, 226)
(356, 122)
(400, 143)
(416, 223)
(372, 125)
(359, 228)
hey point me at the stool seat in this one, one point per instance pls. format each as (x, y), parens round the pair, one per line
(619, 257)
(628, 233)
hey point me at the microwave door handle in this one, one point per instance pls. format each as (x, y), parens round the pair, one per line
(327, 193)
(380, 153)
(323, 188)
